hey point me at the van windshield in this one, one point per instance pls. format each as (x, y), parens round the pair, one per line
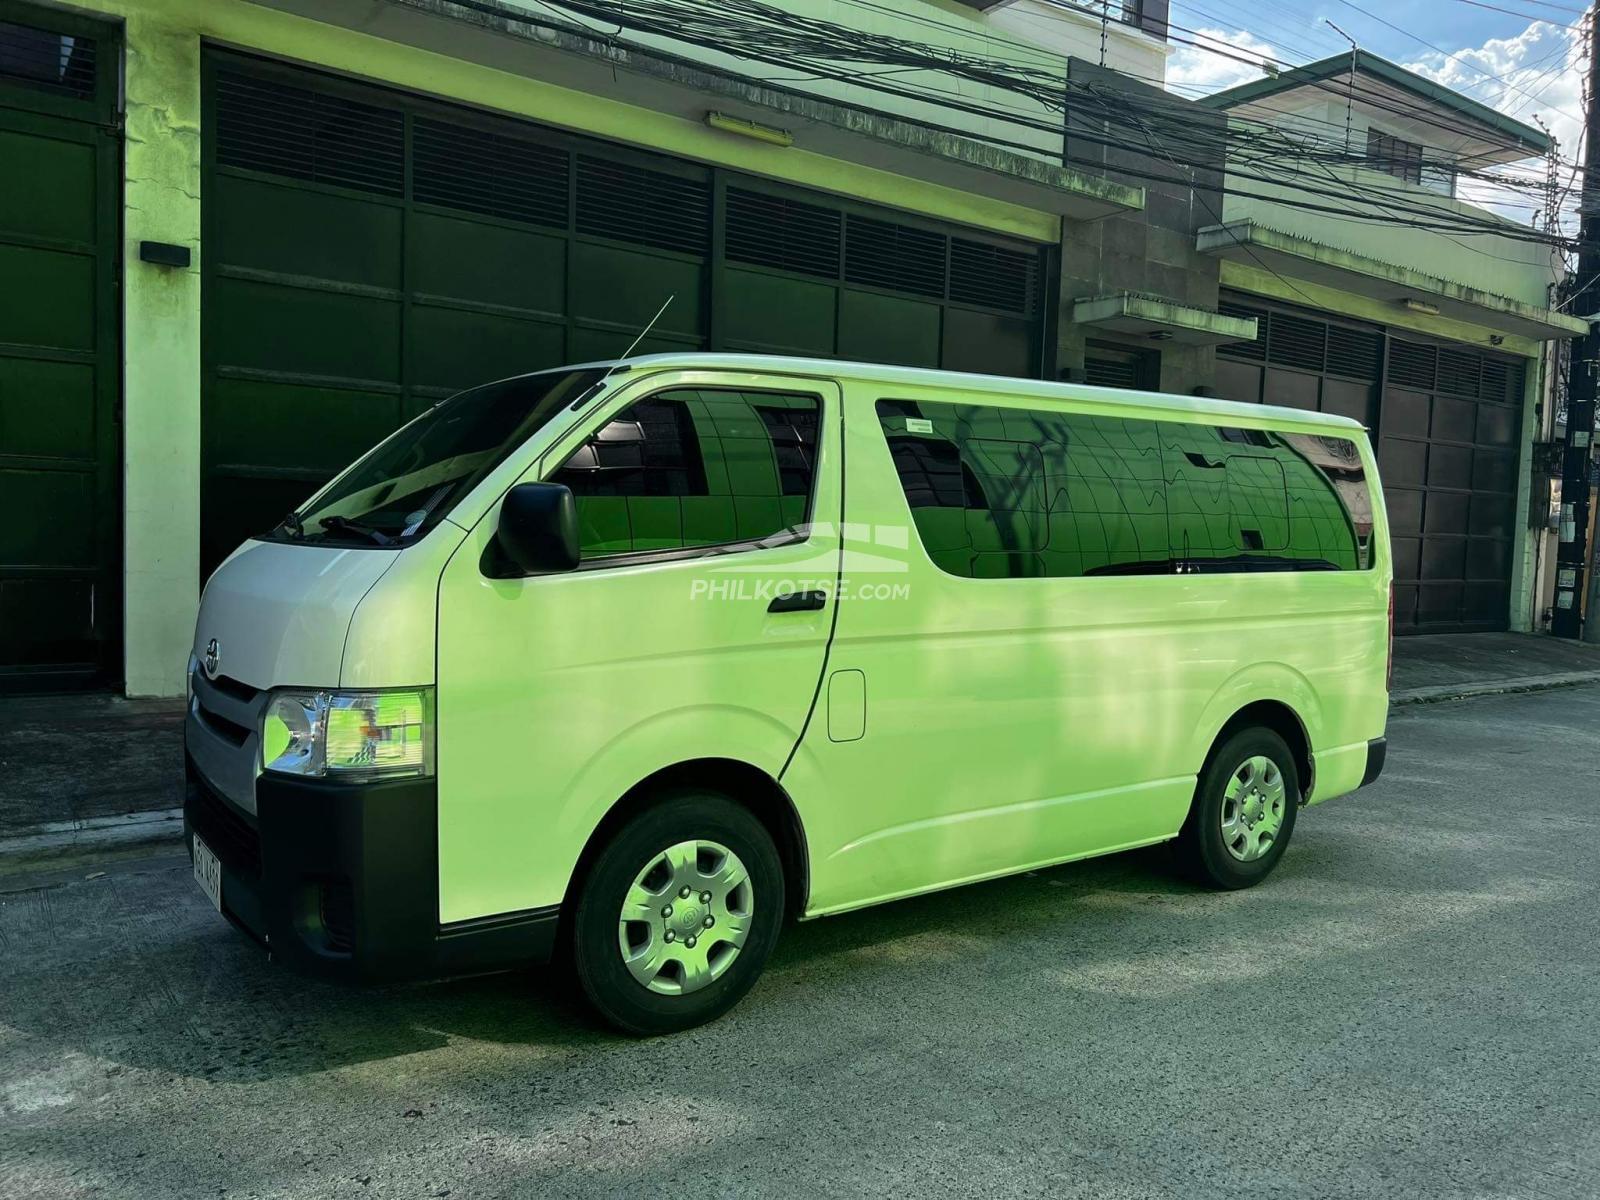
(406, 484)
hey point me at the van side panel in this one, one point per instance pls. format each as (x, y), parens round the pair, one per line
(1016, 722)
(558, 693)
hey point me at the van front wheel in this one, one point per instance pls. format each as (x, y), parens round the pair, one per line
(1243, 812)
(676, 918)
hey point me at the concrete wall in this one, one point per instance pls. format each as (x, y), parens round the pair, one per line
(1078, 35)
(1503, 266)
(1153, 251)
(161, 369)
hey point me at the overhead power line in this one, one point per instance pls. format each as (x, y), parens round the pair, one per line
(782, 40)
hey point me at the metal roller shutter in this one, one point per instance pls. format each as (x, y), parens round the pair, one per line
(1446, 421)
(60, 590)
(369, 252)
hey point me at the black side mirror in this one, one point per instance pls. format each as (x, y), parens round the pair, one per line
(538, 530)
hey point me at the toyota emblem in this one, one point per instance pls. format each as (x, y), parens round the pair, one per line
(213, 658)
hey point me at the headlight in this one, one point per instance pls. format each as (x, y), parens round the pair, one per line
(352, 736)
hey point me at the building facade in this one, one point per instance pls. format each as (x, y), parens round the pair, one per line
(254, 236)
(1406, 307)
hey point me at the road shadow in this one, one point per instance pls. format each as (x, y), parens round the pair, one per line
(157, 982)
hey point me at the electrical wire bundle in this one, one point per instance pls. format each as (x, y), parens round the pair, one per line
(1041, 109)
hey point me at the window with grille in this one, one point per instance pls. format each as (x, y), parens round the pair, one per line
(1396, 156)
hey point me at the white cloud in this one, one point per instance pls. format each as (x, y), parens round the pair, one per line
(1215, 63)
(1538, 73)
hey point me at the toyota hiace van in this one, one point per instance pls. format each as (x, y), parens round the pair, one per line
(645, 658)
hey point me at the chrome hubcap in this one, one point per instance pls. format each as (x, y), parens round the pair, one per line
(686, 917)
(1253, 807)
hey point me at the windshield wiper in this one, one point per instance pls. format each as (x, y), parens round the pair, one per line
(346, 525)
(292, 524)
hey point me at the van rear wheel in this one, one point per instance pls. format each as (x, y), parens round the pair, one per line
(1243, 812)
(678, 915)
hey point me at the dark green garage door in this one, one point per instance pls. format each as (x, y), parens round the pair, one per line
(59, 160)
(368, 253)
(1445, 420)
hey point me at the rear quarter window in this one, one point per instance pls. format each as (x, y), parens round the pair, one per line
(1016, 493)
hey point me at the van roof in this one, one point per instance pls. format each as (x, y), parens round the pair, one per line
(998, 384)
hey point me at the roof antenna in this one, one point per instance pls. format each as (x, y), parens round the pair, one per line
(645, 332)
(598, 385)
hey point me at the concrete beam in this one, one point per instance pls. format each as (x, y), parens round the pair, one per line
(1251, 243)
(1166, 320)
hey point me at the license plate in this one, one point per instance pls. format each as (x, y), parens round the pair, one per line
(208, 873)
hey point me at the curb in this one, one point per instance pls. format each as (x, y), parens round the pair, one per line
(41, 844)
(1499, 687)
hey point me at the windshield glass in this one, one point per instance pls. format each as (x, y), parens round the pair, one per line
(406, 485)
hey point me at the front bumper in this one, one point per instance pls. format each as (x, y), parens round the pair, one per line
(342, 880)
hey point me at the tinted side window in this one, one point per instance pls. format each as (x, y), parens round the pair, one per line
(1251, 500)
(1008, 493)
(694, 468)
(1330, 504)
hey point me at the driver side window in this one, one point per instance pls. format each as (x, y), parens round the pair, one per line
(694, 467)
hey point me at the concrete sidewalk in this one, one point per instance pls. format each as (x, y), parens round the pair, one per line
(94, 772)
(1448, 666)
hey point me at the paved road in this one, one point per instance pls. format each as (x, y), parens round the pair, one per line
(1408, 1008)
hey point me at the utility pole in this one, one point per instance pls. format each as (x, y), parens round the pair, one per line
(1572, 553)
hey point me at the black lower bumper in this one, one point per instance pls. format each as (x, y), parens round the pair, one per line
(1377, 751)
(342, 881)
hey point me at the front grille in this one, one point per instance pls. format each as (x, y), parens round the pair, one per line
(227, 832)
(227, 730)
(242, 692)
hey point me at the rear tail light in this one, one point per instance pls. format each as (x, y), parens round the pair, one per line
(1388, 667)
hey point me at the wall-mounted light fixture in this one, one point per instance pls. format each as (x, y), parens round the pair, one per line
(1497, 339)
(1419, 306)
(749, 129)
(1161, 335)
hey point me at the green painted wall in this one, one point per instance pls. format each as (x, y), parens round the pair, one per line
(1502, 266)
(161, 382)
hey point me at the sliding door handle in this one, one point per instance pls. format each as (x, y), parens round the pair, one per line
(798, 602)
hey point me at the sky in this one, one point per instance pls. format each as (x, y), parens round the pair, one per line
(1518, 64)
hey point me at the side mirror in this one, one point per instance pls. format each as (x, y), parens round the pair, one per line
(538, 530)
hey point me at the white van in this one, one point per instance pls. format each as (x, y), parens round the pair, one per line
(649, 656)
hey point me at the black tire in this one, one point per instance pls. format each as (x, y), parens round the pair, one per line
(1201, 851)
(677, 816)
